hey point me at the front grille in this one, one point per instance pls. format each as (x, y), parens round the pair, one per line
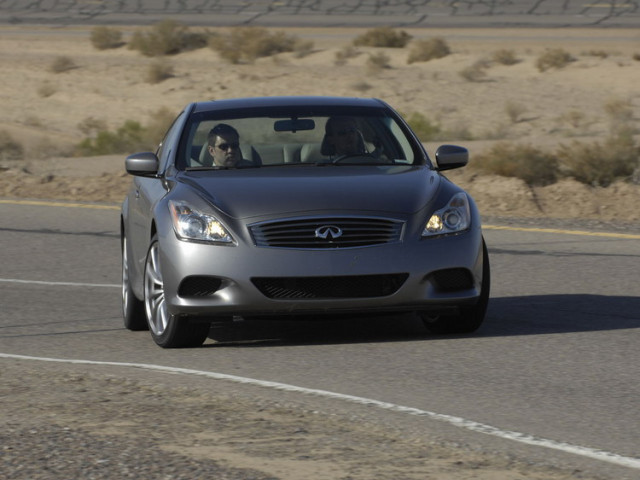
(355, 286)
(338, 232)
(452, 279)
(199, 286)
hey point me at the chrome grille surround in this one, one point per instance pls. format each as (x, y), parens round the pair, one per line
(311, 232)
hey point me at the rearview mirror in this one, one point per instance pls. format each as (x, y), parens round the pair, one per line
(294, 125)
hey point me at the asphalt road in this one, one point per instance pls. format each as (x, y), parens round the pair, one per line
(557, 358)
(325, 13)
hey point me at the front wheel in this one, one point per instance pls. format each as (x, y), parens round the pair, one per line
(167, 330)
(132, 308)
(470, 318)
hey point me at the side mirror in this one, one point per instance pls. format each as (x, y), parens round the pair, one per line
(144, 164)
(451, 156)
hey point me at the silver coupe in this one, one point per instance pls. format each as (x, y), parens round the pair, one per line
(297, 207)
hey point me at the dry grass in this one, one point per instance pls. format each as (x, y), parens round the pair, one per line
(383, 37)
(246, 44)
(62, 64)
(104, 38)
(428, 49)
(554, 58)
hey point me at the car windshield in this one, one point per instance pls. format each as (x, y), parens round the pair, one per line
(254, 139)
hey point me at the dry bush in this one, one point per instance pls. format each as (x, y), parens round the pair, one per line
(302, 48)
(504, 57)
(575, 118)
(636, 57)
(246, 44)
(158, 72)
(130, 137)
(530, 164)
(474, 73)
(104, 38)
(554, 58)
(92, 125)
(378, 62)
(62, 64)
(597, 53)
(424, 128)
(10, 149)
(344, 54)
(620, 115)
(600, 163)
(383, 37)
(361, 86)
(514, 111)
(167, 37)
(428, 49)
(47, 89)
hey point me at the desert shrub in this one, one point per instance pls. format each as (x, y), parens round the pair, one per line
(383, 37)
(345, 54)
(104, 38)
(302, 48)
(361, 86)
(62, 64)
(167, 37)
(158, 72)
(246, 44)
(598, 53)
(46, 89)
(130, 137)
(553, 58)
(378, 62)
(620, 115)
(474, 73)
(599, 163)
(514, 110)
(428, 49)
(504, 57)
(575, 118)
(10, 149)
(423, 127)
(636, 57)
(530, 164)
(91, 125)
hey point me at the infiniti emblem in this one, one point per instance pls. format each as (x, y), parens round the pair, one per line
(330, 232)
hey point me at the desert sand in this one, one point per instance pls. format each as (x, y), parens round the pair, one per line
(43, 110)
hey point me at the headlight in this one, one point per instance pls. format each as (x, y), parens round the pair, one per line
(190, 224)
(454, 218)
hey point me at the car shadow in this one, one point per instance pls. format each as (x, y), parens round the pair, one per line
(506, 316)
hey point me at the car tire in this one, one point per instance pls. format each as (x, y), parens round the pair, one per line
(469, 318)
(132, 308)
(167, 330)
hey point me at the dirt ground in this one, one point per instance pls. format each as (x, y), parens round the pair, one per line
(43, 110)
(60, 423)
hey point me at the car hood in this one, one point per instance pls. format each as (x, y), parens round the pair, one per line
(246, 193)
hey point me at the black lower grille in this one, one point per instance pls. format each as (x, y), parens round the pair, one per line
(452, 279)
(199, 286)
(356, 286)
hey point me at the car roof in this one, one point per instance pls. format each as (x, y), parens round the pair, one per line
(287, 101)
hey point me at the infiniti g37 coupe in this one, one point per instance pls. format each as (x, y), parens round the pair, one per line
(297, 207)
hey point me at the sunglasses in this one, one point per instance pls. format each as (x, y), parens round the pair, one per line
(226, 146)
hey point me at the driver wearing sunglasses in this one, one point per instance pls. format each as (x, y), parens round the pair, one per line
(224, 146)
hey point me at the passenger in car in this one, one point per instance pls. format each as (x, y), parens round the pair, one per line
(342, 137)
(224, 147)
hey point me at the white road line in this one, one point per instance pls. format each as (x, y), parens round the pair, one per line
(63, 284)
(455, 421)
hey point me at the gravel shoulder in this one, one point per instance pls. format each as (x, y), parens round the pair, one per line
(63, 421)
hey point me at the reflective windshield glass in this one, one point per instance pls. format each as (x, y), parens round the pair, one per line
(236, 141)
